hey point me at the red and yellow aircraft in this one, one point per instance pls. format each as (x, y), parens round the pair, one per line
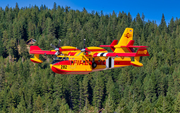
(70, 60)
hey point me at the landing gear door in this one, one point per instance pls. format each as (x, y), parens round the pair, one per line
(109, 62)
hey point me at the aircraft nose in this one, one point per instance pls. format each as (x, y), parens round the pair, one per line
(56, 69)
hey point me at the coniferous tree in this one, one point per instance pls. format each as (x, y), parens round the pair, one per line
(122, 107)
(177, 103)
(98, 91)
(162, 25)
(109, 106)
(73, 93)
(1, 47)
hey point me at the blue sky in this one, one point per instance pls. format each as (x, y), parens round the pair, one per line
(152, 9)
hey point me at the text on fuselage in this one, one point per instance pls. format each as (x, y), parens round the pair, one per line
(79, 62)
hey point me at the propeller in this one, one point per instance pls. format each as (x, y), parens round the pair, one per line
(56, 48)
(84, 48)
(86, 53)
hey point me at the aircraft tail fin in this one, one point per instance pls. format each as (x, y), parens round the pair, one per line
(124, 41)
(36, 56)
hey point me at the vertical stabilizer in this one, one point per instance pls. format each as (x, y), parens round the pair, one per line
(125, 39)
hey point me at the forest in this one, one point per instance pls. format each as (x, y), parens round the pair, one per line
(26, 87)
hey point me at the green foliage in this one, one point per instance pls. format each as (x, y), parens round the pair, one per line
(25, 87)
(177, 103)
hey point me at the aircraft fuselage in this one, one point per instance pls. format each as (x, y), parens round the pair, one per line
(78, 65)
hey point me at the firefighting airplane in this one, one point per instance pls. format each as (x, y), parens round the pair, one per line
(70, 60)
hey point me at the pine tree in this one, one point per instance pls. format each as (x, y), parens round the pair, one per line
(58, 87)
(109, 106)
(63, 107)
(2, 77)
(1, 47)
(23, 49)
(177, 103)
(73, 92)
(98, 90)
(162, 25)
(122, 107)
(2, 99)
(146, 106)
(38, 104)
(21, 108)
(81, 100)
(149, 88)
(85, 91)
(135, 108)
(47, 105)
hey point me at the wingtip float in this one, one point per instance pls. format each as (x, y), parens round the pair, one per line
(70, 60)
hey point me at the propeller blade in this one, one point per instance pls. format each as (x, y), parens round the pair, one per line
(52, 46)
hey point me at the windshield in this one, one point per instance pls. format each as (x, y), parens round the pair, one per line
(59, 59)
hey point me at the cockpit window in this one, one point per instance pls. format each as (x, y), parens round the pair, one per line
(59, 59)
(55, 61)
(62, 58)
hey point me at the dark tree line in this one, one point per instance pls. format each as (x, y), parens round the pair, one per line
(28, 87)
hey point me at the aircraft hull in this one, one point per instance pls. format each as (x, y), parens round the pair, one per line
(60, 71)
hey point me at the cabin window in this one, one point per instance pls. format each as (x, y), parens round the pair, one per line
(58, 59)
(64, 58)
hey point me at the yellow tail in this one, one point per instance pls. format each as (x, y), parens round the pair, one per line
(125, 39)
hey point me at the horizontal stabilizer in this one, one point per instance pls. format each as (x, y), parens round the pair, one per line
(37, 50)
(111, 45)
(140, 52)
(34, 48)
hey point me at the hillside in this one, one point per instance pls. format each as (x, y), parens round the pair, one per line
(155, 87)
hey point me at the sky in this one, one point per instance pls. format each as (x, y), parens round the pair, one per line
(152, 9)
